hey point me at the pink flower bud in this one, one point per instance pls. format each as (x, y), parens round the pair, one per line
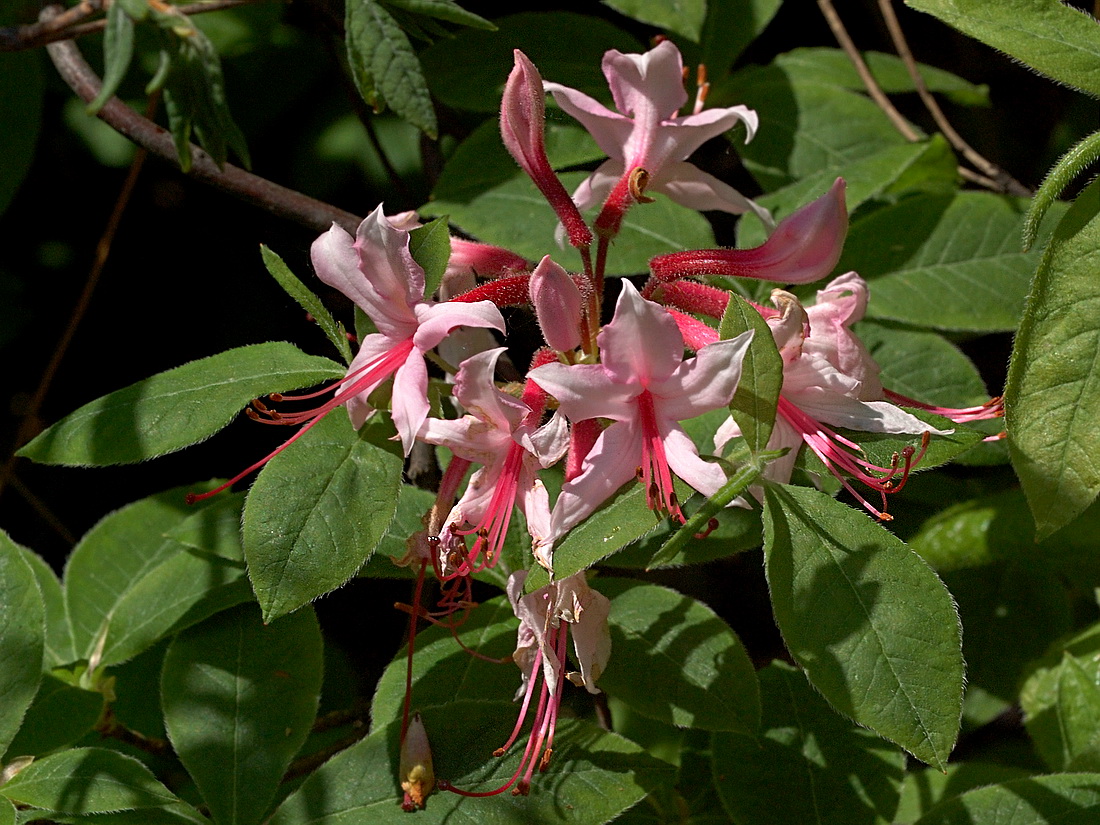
(522, 125)
(803, 248)
(417, 773)
(558, 305)
(470, 258)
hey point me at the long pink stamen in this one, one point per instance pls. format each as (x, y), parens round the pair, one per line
(493, 528)
(654, 472)
(993, 408)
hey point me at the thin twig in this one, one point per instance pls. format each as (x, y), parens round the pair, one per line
(338, 718)
(1003, 181)
(308, 764)
(70, 24)
(856, 59)
(279, 200)
(44, 512)
(110, 726)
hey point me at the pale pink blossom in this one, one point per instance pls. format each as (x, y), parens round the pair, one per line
(377, 272)
(648, 133)
(644, 385)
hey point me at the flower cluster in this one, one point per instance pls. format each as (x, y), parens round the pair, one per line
(605, 403)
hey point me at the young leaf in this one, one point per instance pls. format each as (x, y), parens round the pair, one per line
(594, 773)
(307, 301)
(430, 246)
(1068, 799)
(707, 679)
(808, 765)
(61, 714)
(317, 511)
(1070, 166)
(59, 634)
(1054, 39)
(384, 66)
(872, 625)
(729, 28)
(87, 781)
(1053, 388)
(753, 405)
(177, 408)
(118, 50)
(22, 638)
(239, 699)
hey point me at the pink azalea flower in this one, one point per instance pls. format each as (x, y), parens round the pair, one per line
(547, 618)
(377, 272)
(647, 133)
(499, 432)
(646, 388)
(830, 380)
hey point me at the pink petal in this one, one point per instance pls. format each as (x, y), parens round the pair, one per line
(650, 86)
(676, 139)
(476, 391)
(691, 187)
(866, 416)
(642, 345)
(336, 262)
(683, 459)
(705, 382)
(409, 403)
(370, 348)
(437, 320)
(609, 129)
(587, 391)
(612, 462)
(558, 305)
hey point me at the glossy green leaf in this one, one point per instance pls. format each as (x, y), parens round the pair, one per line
(924, 789)
(318, 510)
(385, 67)
(1054, 39)
(430, 246)
(810, 125)
(202, 574)
(297, 290)
(661, 637)
(944, 262)
(61, 714)
(176, 813)
(754, 402)
(87, 780)
(177, 408)
(729, 28)
(872, 625)
(443, 672)
(59, 634)
(118, 51)
(239, 699)
(412, 504)
(1068, 799)
(443, 10)
(571, 57)
(593, 776)
(515, 215)
(833, 66)
(22, 638)
(1053, 388)
(738, 529)
(808, 765)
(117, 555)
(889, 173)
(682, 17)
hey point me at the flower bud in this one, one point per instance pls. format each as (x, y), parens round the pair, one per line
(558, 305)
(803, 248)
(417, 773)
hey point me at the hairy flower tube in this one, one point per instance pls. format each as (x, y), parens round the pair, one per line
(644, 385)
(547, 618)
(830, 380)
(647, 133)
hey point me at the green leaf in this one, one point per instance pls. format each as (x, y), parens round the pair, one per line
(831, 65)
(660, 637)
(1056, 40)
(869, 621)
(87, 780)
(624, 518)
(118, 51)
(239, 699)
(443, 10)
(202, 574)
(412, 504)
(808, 765)
(61, 714)
(738, 530)
(729, 28)
(593, 776)
(385, 67)
(753, 405)
(177, 813)
(810, 125)
(430, 246)
(682, 17)
(177, 408)
(1052, 386)
(442, 672)
(297, 290)
(943, 262)
(59, 634)
(885, 175)
(571, 57)
(1069, 167)
(22, 638)
(1068, 799)
(21, 112)
(115, 554)
(318, 510)
(7, 812)
(924, 789)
